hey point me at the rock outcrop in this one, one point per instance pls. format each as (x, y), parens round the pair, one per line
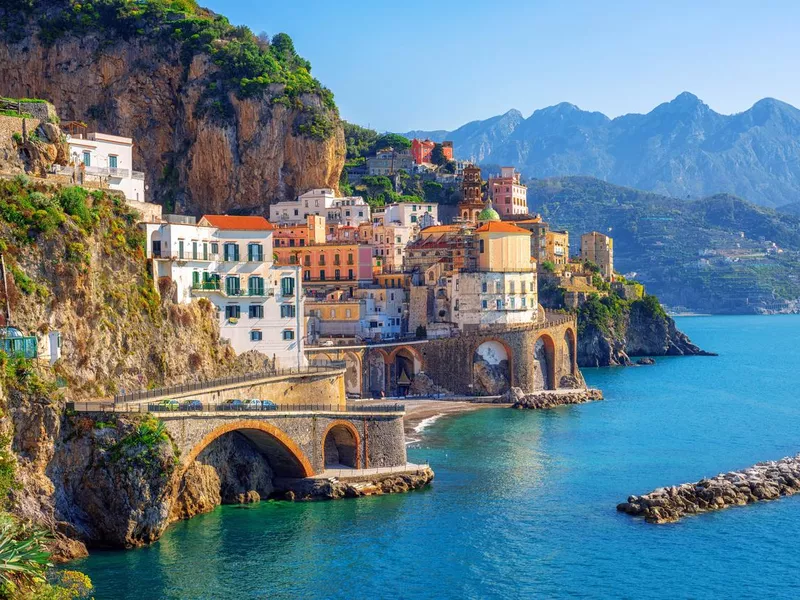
(198, 156)
(763, 481)
(551, 399)
(376, 485)
(637, 331)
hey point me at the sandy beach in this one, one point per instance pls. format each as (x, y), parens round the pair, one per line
(422, 412)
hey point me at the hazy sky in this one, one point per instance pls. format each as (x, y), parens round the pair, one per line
(437, 64)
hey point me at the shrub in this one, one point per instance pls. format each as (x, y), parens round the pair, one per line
(17, 137)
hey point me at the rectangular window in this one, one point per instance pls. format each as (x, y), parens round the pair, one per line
(255, 286)
(232, 311)
(307, 260)
(255, 252)
(288, 334)
(195, 255)
(232, 285)
(337, 275)
(287, 286)
(214, 248)
(322, 274)
(349, 273)
(255, 335)
(499, 304)
(484, 305)
(524, 302)
(306, 275)
(232, 252)
(180, 249)
(480, 245)
(483, 287)
(112, 161)
(205, 251)
(287, 310)
(321, 260)
(256, 311)
(87, 158)
(347, 313)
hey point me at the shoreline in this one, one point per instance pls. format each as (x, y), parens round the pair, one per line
(423, 412)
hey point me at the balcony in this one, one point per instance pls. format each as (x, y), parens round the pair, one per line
(216, 287)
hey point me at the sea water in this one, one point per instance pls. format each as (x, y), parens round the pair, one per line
(523, 504)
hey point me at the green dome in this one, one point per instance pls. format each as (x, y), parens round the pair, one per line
(488, 214)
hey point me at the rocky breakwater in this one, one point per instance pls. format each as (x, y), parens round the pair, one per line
(551, 398)
(764, 481)
(354, 487)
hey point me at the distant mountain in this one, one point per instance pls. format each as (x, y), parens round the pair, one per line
(713, 255)
(681, 148)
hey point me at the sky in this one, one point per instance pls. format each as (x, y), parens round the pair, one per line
(437, 64)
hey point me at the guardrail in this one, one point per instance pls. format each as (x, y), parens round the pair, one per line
(195, 406)
(224, 381)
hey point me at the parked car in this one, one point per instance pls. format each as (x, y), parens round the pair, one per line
(192, 405)
(256, 404)
(235, 404)
(170, 404)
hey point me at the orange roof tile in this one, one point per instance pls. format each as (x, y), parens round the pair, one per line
(440, 229)
(501, 227)
(529, 221)
(238, 223)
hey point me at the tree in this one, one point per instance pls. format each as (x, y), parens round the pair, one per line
(437, 155)
(392, 140)
(360, 140)
(449, 167)
(433, 191)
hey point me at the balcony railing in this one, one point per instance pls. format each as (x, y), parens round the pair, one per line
(219, 288)
(194, 406)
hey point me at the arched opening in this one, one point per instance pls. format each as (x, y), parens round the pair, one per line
(544, 363)
(376, 372)
(285, 458)
(405, 363)
(340, 446)
(352, 375)
(491, 368)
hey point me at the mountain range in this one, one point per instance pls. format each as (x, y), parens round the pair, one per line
(681, 148)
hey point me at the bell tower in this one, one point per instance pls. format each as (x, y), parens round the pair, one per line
(472, 199)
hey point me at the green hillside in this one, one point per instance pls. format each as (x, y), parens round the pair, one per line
(720, 254)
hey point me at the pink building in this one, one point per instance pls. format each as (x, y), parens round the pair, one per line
(509, 196)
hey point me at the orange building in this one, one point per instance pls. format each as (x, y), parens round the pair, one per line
(290, 235)
(421, 150)
(326, 264)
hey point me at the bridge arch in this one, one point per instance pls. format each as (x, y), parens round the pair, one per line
(404, 364)
(285, 458)
(492, 366)
(341, 445)
(544, 356)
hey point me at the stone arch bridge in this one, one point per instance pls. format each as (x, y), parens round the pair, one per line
(532, 356)
(298, 443)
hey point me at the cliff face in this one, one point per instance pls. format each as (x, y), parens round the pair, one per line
(637, 331)
(195, 159)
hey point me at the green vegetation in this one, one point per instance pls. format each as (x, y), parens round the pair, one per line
(248, 65)
(710, 255)
(17, 137)
(142, 446)
(13, 113)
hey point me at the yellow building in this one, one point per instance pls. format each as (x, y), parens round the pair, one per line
(503, 247)
(557, 247)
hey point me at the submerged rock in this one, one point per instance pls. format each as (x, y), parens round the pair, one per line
(369, 485)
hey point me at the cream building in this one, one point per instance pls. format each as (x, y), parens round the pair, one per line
(349, 210)
(109, 157)
(229, 261)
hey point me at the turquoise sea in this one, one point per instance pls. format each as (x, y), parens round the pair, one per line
(523, 504)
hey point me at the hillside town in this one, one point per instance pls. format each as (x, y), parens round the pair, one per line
(324, 271)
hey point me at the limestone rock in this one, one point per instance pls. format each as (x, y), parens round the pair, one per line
(542, 400)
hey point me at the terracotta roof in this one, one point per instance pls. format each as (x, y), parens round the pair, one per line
(501, 227)
(440, 229)
(529, 221)
(238, 223)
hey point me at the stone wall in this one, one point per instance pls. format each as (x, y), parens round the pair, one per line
(381, 440)
(289, 390)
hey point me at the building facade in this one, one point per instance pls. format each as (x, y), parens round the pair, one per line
(228, 260)
(508, 194)
(329, 264)
(557, 247)
(389, 161)
(109, 157)
(349, 210)
(599, 249)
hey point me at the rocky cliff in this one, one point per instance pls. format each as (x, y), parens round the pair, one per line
(610, 331)
(221, 121)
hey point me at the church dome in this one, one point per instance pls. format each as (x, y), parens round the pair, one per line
(488, 214)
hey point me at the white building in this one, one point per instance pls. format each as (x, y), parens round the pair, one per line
(348, 210)
(409, 214)
(228, 260)
(385, 309)
(107, 156)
